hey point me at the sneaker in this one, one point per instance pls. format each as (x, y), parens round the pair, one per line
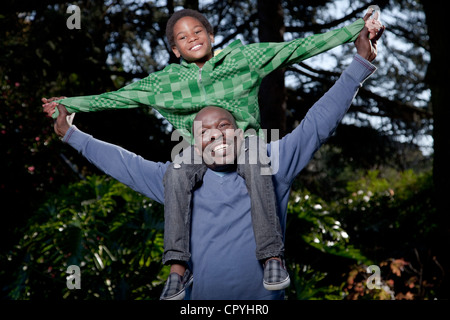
(175, 286)
(276, 276)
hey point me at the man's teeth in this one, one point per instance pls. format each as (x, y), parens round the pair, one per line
(220, 147)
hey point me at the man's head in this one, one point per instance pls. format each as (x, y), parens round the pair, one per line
(190, 36)
(217, 137)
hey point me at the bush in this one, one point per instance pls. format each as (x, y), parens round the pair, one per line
(387, 221)
(113, 234)
(391, 218)
(318, 249)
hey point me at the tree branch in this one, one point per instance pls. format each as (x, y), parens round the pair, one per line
(391, 108)
(318, 28)
(238, 30)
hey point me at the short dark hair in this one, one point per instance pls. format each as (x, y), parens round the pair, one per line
(181, 14)
(233, 119)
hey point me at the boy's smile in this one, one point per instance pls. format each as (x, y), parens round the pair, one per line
(192, 41)
(196, 47)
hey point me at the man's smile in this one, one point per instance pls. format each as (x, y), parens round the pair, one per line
(220, 149)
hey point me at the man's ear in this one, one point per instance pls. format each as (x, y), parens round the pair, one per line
(176, 52)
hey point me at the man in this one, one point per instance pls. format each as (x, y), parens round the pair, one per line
(222, 238)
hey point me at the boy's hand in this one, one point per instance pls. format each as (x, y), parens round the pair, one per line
(63, 122)
(367, 46)
(372, 19)
(50, 105)
(374, 26)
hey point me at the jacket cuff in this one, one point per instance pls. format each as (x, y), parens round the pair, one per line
(360, 69)
(76, 138)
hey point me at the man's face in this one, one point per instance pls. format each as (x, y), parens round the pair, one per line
(217, 137)
(192, 41)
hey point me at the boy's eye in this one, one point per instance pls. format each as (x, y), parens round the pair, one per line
(223, 124)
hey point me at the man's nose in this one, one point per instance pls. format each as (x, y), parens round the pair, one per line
(214, 134)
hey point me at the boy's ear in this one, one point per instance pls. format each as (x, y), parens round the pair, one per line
(176, 51)
(211, 37)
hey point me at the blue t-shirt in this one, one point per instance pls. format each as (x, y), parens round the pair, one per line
(222, 240)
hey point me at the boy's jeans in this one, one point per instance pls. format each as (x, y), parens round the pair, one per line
(181, 180)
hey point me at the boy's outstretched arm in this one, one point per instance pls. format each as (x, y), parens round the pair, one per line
(264, 58)
(322, 119)
(134, 95)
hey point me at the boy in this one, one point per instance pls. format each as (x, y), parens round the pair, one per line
(231, 80)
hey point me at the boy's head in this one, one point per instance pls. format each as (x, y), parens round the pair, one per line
(190, 36)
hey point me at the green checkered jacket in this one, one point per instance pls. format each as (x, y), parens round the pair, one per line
(231, 80)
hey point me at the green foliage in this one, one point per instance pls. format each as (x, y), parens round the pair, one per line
(396, 205)
(387, 219)
(41, 57)
(392, 218)
(306, 285)
(319, 228)
(112, 233)
(316, 244)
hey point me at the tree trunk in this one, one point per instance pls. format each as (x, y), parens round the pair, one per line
(438, 75)
(272, 94)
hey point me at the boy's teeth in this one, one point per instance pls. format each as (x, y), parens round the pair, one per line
(196, 47)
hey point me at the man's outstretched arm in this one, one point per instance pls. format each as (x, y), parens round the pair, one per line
(143, 176)
(292, 153)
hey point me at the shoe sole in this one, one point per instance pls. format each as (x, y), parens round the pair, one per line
(179, 296)
(277, 286)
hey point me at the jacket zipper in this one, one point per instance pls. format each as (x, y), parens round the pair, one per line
(201, 84)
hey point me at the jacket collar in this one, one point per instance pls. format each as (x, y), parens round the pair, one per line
(218, 57)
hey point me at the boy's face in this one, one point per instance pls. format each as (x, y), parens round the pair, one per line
(217, 138)
(192, 42)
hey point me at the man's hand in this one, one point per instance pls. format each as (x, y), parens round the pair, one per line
(50, 105)
(366, 47)
(63, 122)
